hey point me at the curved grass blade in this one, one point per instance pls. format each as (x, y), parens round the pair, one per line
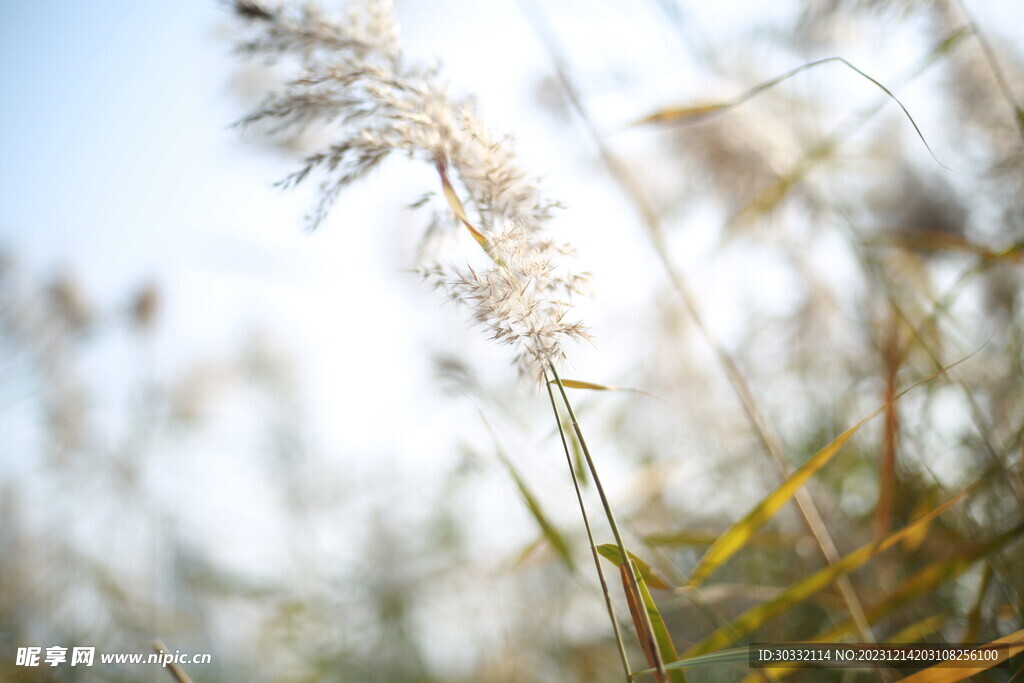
(736, 537)
(697, 112)
(941, 674)
(773, 195)
(754, 618)
(456, 205)
(527, 552)
(551, 533)
(611, 552)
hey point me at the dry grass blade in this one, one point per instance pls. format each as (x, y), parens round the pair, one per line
(891, 361)
(610, 552)
(456, 205)
(685, 114)
(661, 634)
(593, 386)
(173, 669)
(650, 627)
(756, 617)
(940, 673)
(735, 538)
(643, 634)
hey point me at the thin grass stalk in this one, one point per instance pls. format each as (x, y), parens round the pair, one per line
(887, 466)
(659, 663)
(590, 536)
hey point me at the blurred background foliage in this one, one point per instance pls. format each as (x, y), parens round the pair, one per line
(808, 261)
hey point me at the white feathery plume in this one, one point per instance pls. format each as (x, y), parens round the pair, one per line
(351, 76)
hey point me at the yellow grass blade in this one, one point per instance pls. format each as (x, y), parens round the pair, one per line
(698, 537)
(610, 552)
(754, 618)
(914, 541)
(919, 630)
(730, 542)
(941, 674)
(593, 386)
(684, 114)
(577, 384)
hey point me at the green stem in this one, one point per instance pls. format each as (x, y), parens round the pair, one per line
(659, 663)
(590, 537)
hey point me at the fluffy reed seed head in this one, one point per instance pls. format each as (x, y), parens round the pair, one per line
(351, 76)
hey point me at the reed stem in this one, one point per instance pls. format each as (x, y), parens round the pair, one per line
(590, 537)
(659, 663)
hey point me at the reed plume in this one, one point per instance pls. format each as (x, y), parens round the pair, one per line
(352, 78)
